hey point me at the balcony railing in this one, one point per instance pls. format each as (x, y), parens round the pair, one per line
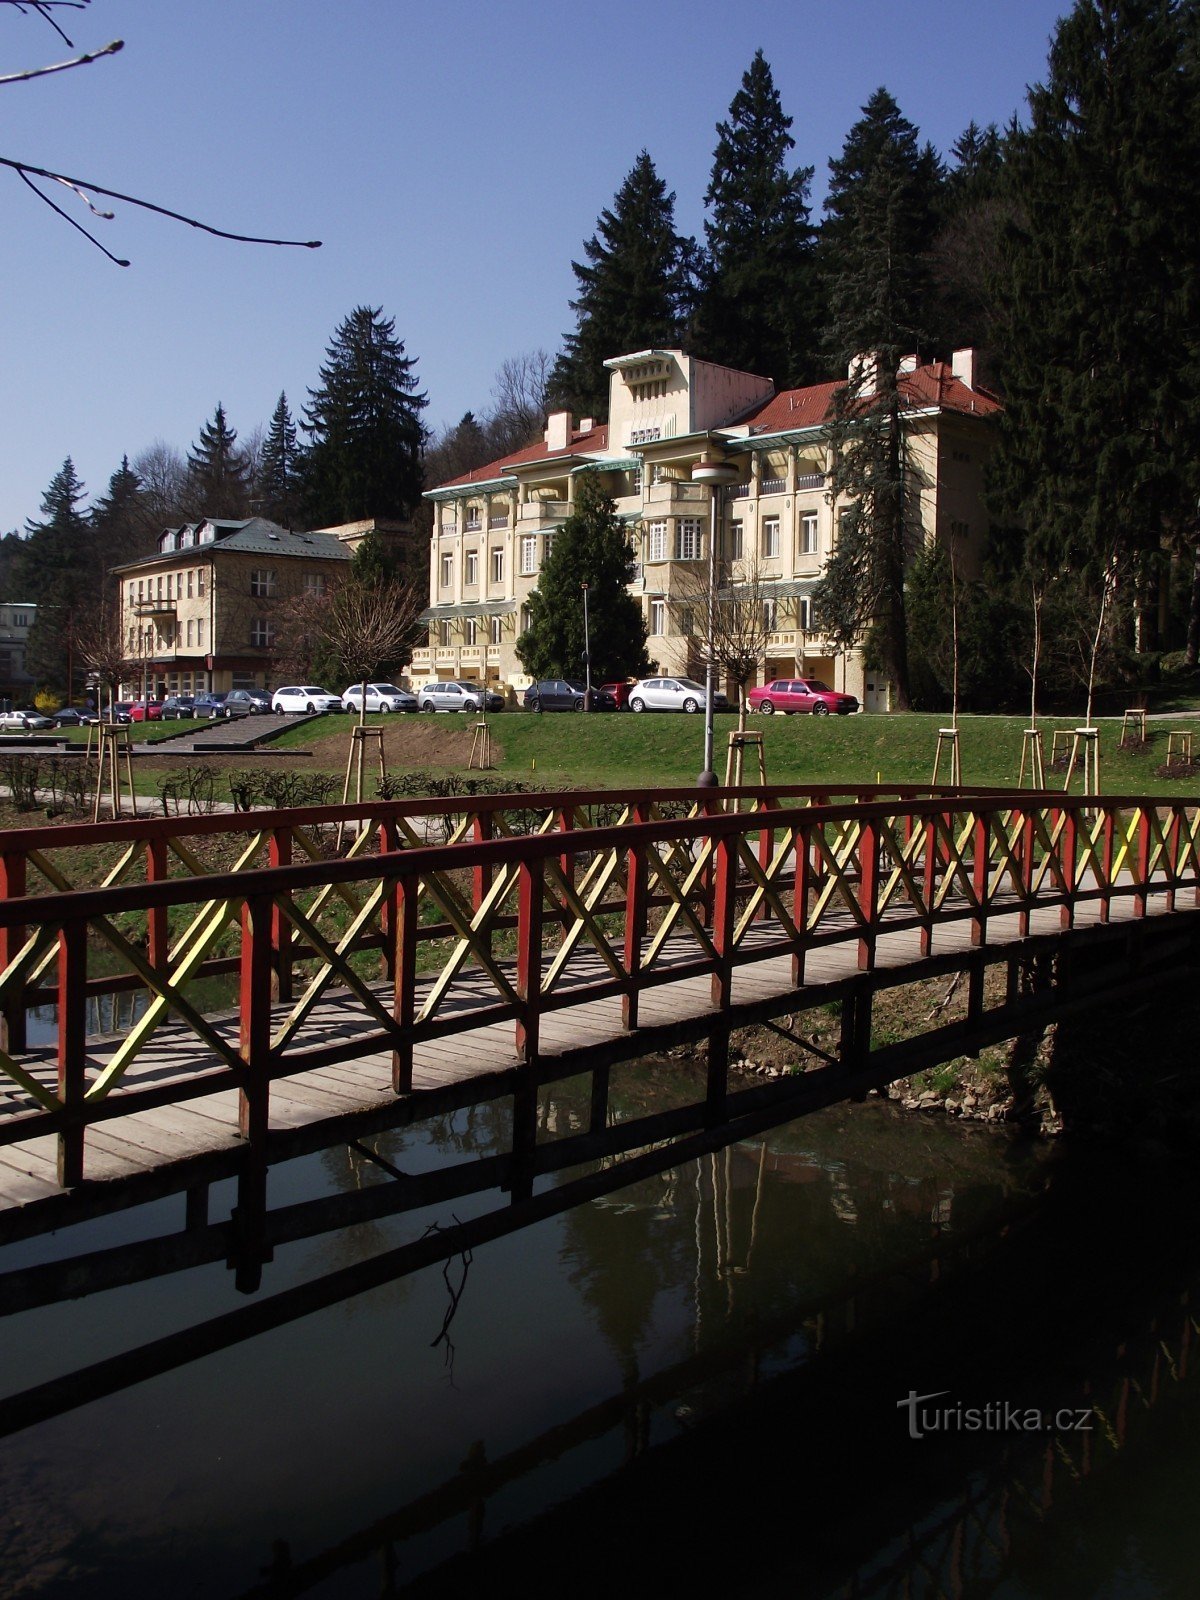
(811, 480)
(498, 522)
(473, 524)
(676, 489)
(154, 608)
(741, 491)
(540, 512)
(772, 485)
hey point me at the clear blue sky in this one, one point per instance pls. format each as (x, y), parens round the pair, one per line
(452, 157)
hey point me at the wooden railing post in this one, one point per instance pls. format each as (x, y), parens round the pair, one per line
(802, 856)
(530, 909)
(404, 932)
(929, 882)
(980, 876)
(567, 861)
(1027, 867)
(1143, 865)
(724, 909)
(12, 1012)
(72, 1035)
(483, 871)
(389, 843)
(282, 932)
(637, 878)
(254, 999)
(868, 893)
(1068, 863)
(157, 934)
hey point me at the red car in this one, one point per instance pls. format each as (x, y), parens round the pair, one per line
(801, 694)
(146, 711)
(619, 692)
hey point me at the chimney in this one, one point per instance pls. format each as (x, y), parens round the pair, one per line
(586, 424)
(907, 364)
(962, 365)
(558, 430)
(863, 371)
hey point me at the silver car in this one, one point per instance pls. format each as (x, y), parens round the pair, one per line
(453, 695)
(381, 697)
(673, 694)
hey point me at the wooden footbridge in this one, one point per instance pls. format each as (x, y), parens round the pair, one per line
(386, 962)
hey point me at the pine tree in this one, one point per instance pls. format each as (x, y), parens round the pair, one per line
(875, 255)
(218, 477)
(634, 294)
(366, 438)
(276, 491)
(1100, 286)
(757, 308)
(978, 202)
(55, 572)
(591, 547)
(121, 527)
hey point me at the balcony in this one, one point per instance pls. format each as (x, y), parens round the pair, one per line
(495, 523)
(772, 485)
(676, 491)
(154, 608)
(473, 524)
(446, 655)
(422, 657)
(811, 480)
(740, 491)
(471, 655)
(537, 514)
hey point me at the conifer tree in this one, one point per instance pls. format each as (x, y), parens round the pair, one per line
(277, 486)
(218, 479)
(875, 246)
(756, 309)
(591, 547)
(1100, 286)
(635, 291)
(121, 528)
(366, 437)
(55, 572)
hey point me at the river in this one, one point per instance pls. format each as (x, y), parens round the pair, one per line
(702, 1382)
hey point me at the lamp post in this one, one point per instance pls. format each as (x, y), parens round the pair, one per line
(587, 655)
(716, 474)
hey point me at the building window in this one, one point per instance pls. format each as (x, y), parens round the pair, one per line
(656, 541)
(687, 540)
(160, 586)
(262, 582)
(770, 615)
(658, 616)
(497, 566)
(526, 618)
(770, 536)
(804, 613)
(960, 530)
(314, 583)
(659, 474)
(528, 554)
(200, 633)
(170, 576)
(470, 631)
(808, 533)
(547, 547)
(189, 583)
(190, 633)
(736, 541)
(443, 632)
(474, 520)
(635, 481)
(447, 569)
(847, 518)
(472, 576)
(496, 629)
(262, 632)
(200, 582)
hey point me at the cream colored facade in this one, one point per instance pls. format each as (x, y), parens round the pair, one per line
(493, 528)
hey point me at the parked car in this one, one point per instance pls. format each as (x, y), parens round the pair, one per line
(122, 711)
(146, 711)
(381, 697)
(176, 707)
(620, 691)
(246, 703)
(75, 717)
(303, 698)
(452, 695)
(209, 704)
(673, 694)
(25, 721)
(564, 694)
(801, 694)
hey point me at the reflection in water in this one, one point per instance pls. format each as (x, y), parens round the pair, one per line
(704, 1366)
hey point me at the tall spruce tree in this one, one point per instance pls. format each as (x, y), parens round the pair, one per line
(218, 478)
(1100, 290)
(55, 571)
(978, 201)
(880, 217)
(591, 547)
(635, 292)
(756, 306)
(277, 488)
(121, 526)
(366, 437)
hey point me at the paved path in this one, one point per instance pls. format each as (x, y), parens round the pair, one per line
(224, 736)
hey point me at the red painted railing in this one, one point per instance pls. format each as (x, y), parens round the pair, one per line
(537, 904)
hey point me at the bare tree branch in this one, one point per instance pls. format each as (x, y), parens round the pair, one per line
(30, 73)
(43, 8)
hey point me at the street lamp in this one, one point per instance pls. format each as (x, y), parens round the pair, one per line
(717, 474)
(587, 654)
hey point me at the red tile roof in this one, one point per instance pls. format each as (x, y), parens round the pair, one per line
(933, 385)
(581, 444)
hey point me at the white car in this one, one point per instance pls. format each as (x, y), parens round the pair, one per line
(381, 697)
(305, 698)
(451, 694)
(25, 721)
(673, 694)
